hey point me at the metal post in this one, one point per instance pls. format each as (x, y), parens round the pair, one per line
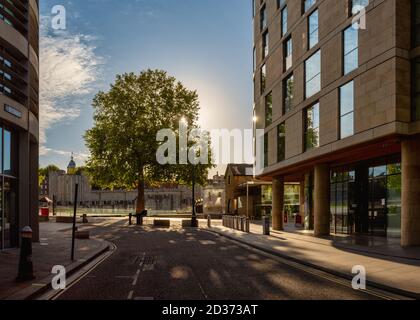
(54, 201)
(247, 199)
(76, 190)
(194, 222)
(209, 221)
(247, 225)
(25, 272)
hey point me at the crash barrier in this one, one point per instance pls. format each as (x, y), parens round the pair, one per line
(236, 222)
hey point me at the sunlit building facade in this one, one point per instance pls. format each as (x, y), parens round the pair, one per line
(19, 116)
(336, 86)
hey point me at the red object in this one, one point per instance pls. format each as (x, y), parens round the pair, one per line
(298, 219)
(45, 212)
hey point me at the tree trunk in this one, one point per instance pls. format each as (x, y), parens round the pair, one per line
(141, 205)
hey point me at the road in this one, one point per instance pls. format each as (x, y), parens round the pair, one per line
(189, 264)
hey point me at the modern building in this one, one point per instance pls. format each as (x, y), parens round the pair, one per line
(337, 95)
(19, 118)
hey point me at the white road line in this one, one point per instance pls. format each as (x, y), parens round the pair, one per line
(130, 295)
(136, 277)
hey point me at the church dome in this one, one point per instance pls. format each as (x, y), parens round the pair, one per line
(71, 168)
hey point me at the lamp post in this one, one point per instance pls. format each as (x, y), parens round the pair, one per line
(194, 221)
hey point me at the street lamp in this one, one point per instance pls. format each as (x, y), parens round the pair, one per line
(194, 221)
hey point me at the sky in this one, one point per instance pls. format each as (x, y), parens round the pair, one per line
(206, 44)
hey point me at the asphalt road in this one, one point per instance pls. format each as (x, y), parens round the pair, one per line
(162, 264)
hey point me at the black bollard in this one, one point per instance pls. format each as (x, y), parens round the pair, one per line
(85, 219)
(26, 272)
(130, 216)
(139, 219)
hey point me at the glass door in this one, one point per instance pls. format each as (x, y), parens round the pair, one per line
(378, 201)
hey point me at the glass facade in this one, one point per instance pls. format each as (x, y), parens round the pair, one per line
(288, 52)
(351, 49)
(281, 142)
(288, 93)
(268, 109)
(366, 198)
(313, 74)
(265, 42)
(416, 89)
(313, 29)
(311, 135)
(347, 110)
(308, 4)
(284, 21)
(8, 190)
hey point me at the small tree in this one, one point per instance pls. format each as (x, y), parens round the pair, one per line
(122, 142)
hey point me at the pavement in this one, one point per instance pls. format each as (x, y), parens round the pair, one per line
(176, 263)
(388, 266)
(53, 249)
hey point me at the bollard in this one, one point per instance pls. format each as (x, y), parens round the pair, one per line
(130, 217)
(26, 272)
(266, 226)
(139, 219)
(247, 225)
(242, 224)
(209, 221)
(84, 218)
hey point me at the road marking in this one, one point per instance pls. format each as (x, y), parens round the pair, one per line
(144, 298)
(136, 277)
(130, 295)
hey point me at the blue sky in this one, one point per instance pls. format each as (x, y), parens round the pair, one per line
(207, 44)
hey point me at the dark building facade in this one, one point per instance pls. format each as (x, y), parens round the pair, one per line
(337, 93)
(19, 119)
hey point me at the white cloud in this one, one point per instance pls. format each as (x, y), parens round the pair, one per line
(79, 157)
(69, 70)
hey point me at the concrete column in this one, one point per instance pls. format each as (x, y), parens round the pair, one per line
(322, 200)
(410, 216)
(278, 203)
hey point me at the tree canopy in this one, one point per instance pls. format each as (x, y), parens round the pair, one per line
(127, 118)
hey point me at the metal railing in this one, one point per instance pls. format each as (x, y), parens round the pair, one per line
(236, 222)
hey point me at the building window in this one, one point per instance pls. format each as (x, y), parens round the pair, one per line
(254, 59)
(313, 29)
(268, 109)
(265, 41)
(284, 21)
(313, 74)
(308, 4)
(281, 142)
(266, 150)
(288, 54)
(357, 5)
(288, 93)
(416, 89)
(263, 19)
(280, 3)
(263, 78)
(312, 127)
(416, 23)
(351, 49)
(347, 110)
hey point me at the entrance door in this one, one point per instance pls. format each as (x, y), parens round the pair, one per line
(378, 201)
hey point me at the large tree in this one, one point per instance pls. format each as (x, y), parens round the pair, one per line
(123, 142)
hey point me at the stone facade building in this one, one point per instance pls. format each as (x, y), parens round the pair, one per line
(337, 95)
(60, 186)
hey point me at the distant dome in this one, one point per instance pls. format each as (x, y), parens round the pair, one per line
(71, 168)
